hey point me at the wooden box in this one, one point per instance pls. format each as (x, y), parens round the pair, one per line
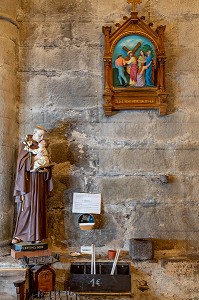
(42, 278)
(83, 282)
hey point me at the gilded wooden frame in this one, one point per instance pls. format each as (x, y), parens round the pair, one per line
(132, 37)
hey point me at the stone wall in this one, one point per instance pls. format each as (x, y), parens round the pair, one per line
(61, 72)
(61, 87)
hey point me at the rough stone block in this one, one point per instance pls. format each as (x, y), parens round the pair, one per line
(188, 84)
(100, 135)
(170, 8)
(164, 160)
(66, 87)
(125, 161)
(134, 117)
(173, 89)
(191, 133)
(188, 31)
(141, 249)
(193, 116)
(37, 118)
(62, 114)
(31, 34)
(60, 60)
(187, 160)
(35, 65)
(57, 34)
(170, 133)
(123, 189)
(188, 105)
(177, 58)
(163, 221)
(189, 8)
(171, 36)
(88, 32)
(136, 133)
(65, 59)
(81, 11)
(29, 86)
(178, 187)
(34, 10)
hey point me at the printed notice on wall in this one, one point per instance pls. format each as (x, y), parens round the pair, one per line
(86, 203)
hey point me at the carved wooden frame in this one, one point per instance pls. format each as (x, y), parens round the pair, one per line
(122, 98)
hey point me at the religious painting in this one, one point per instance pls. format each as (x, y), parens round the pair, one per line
(134, 66)
(134, 62)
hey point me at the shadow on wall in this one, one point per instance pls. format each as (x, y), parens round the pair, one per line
(61, 154)
(74, 170)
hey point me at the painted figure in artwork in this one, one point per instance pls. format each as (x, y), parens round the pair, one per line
(149, 69)
(119, 63)
(141, 70)
(32, 190)
(133, 68)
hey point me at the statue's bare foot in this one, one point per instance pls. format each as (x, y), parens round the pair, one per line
(16, 240)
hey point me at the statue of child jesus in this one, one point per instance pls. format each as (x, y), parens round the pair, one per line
(41, 160)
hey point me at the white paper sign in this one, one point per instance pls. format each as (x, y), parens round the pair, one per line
(86, 203)
(86, 249)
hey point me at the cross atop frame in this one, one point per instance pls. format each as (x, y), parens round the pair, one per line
(134, 2)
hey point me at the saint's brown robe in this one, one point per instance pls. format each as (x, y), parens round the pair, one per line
(31, 224)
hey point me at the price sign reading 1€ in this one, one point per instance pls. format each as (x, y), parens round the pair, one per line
(95, 282)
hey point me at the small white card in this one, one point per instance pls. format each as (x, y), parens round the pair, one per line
(86, 249)
(86, 203)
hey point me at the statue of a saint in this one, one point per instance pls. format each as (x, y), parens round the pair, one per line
(32, 187)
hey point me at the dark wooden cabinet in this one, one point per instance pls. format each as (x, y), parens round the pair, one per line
(42, 278)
